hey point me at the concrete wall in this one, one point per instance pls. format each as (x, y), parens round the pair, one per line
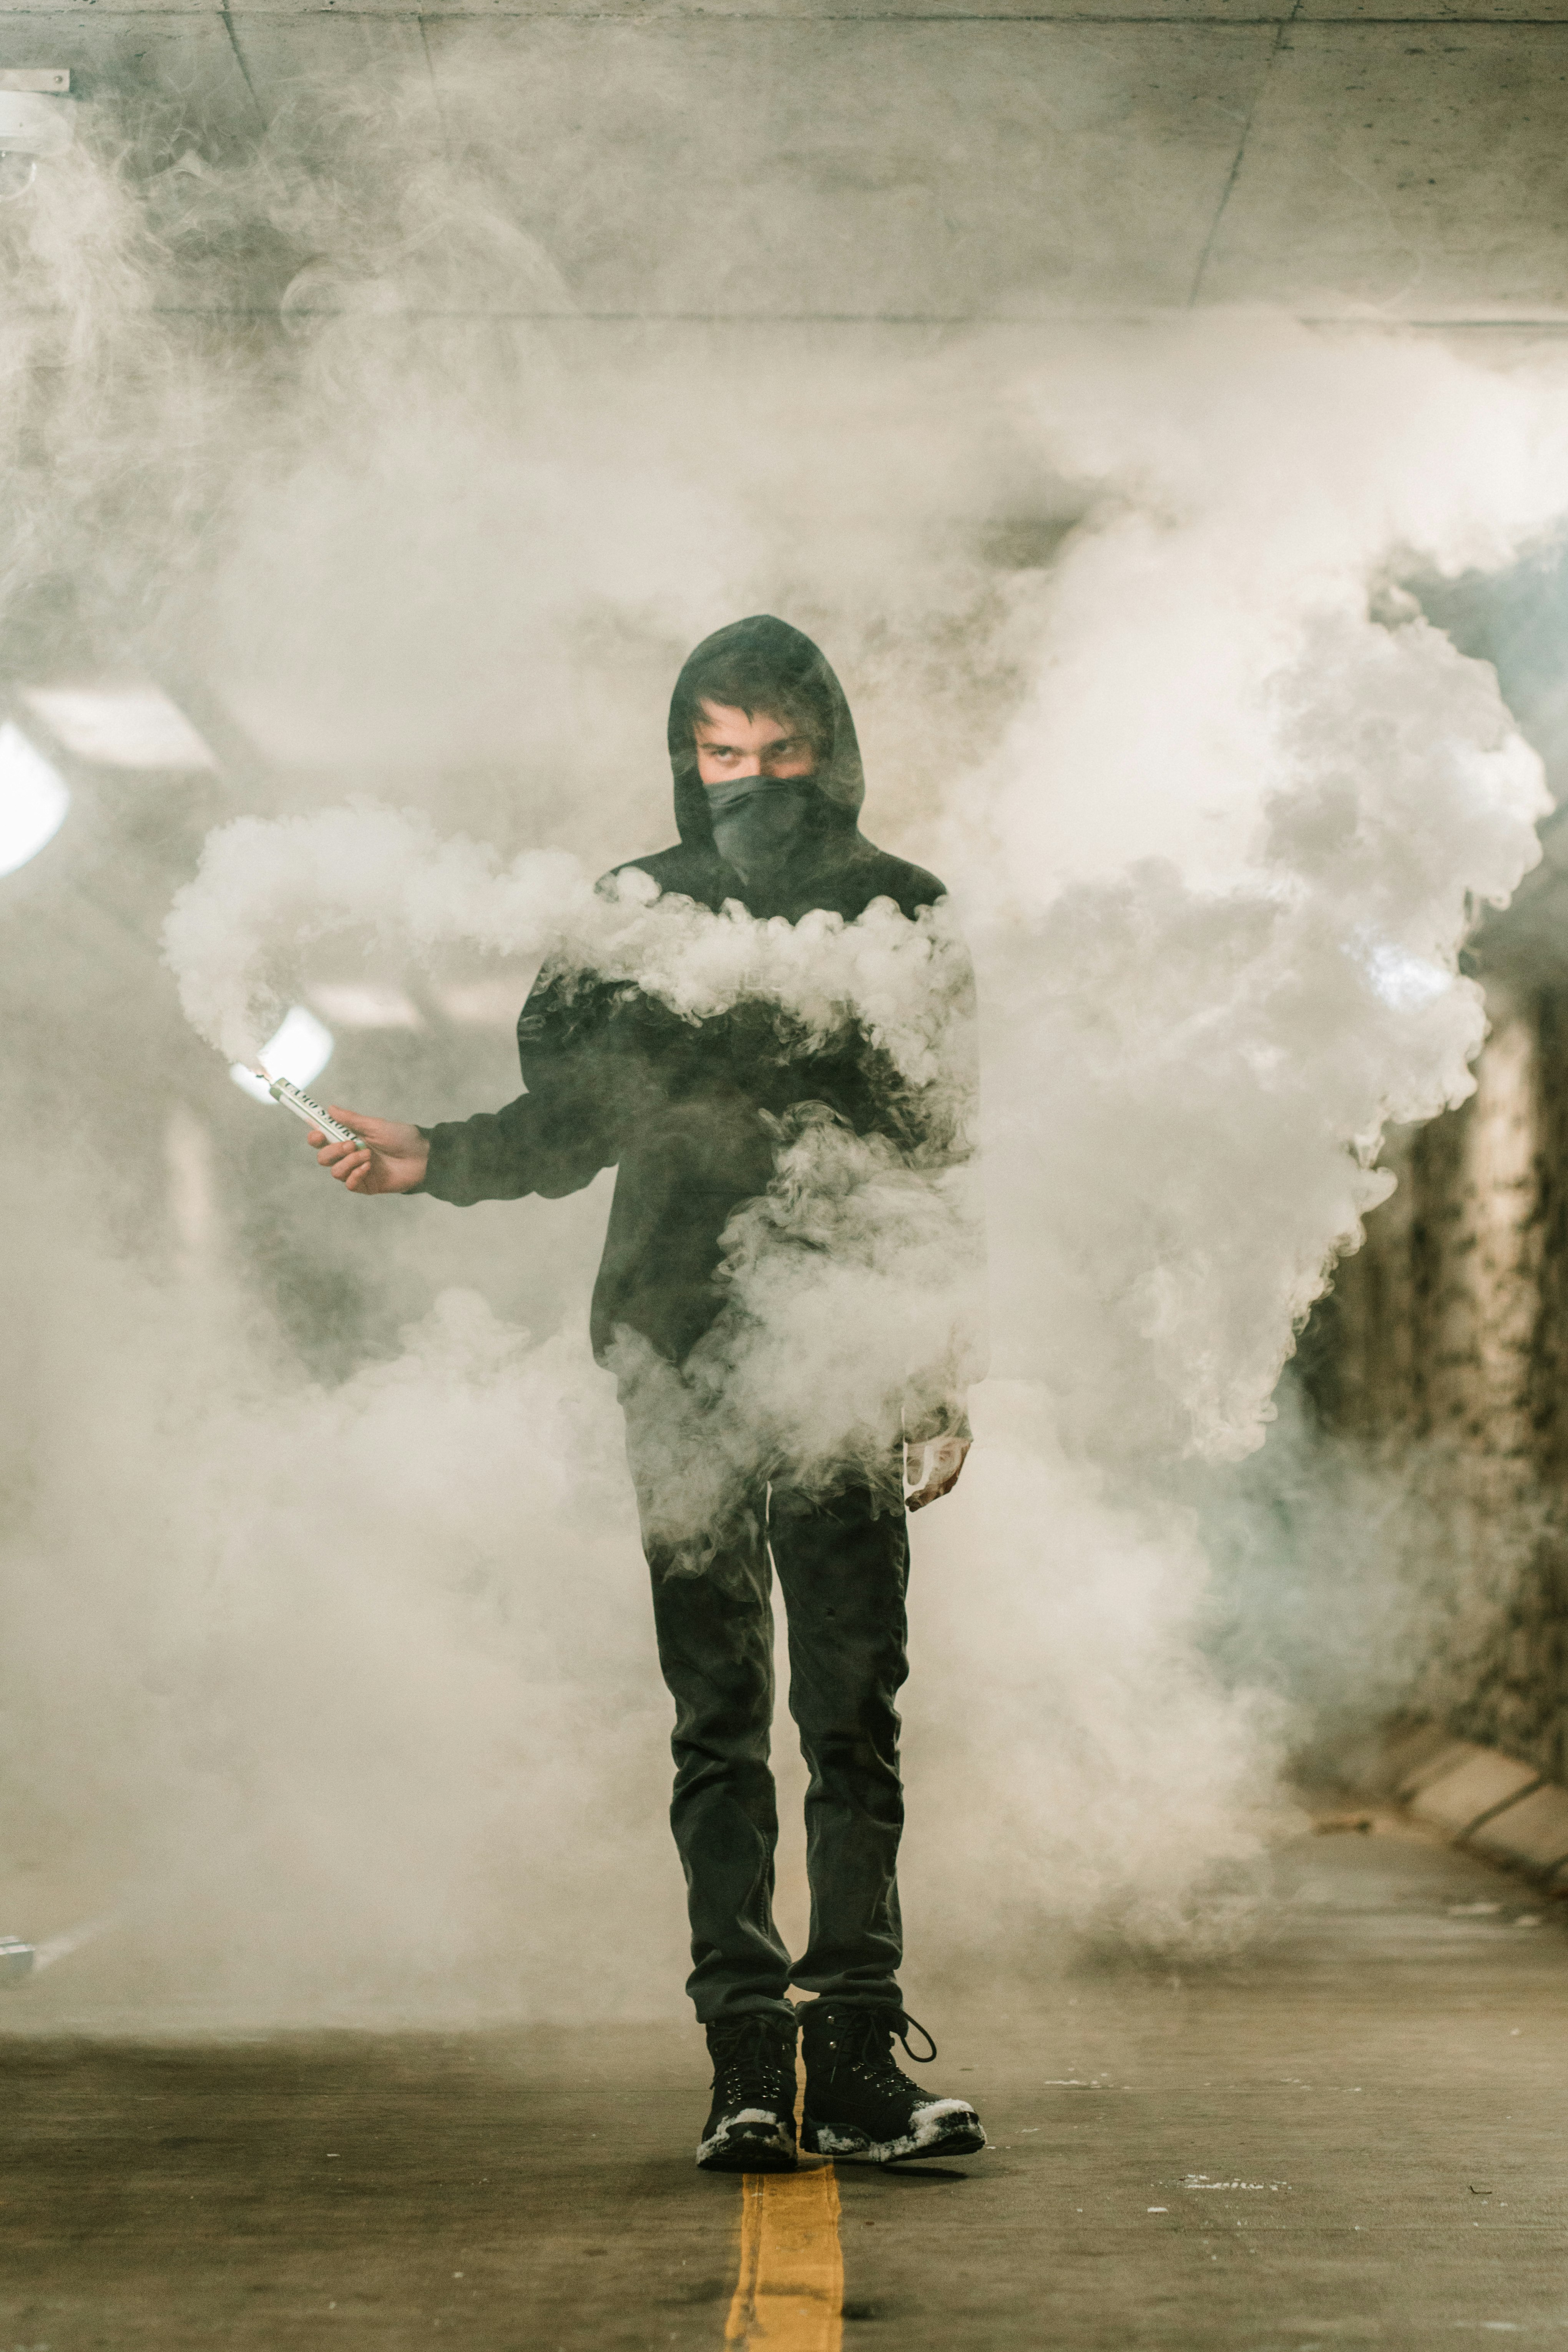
(1442, 1356)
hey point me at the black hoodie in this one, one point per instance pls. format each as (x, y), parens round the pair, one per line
(686, 1112)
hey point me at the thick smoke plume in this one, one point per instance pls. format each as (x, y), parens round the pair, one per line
(266, 893)
(345, 1685)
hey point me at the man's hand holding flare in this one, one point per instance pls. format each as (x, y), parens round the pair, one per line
(395, 1161)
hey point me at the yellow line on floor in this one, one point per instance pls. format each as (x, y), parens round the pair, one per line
(789, 2296)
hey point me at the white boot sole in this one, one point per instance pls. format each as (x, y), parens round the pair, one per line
(946, 2127)
(763, 2145)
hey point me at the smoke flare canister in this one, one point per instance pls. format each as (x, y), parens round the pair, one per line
(283, 1090)
(15, 1959)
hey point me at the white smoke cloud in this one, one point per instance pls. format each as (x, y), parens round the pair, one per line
(266, 892)
(336, 1737)
(369, 1665)
(1205, 1072)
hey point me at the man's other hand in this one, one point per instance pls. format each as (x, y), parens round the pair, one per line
(938, 1473)
(395, 1161)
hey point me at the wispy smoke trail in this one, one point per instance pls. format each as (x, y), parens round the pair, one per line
(266, 893)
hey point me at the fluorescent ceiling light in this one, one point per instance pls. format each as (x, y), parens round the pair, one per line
(31, 125)
(120, 726)
(482, 1003)
(33, 799)
(367, 1004)
(301, 1047)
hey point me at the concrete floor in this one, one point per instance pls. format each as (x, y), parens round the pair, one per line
(1358, 2134)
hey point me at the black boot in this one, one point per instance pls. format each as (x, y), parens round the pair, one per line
(751, 2125)
(857, 2101)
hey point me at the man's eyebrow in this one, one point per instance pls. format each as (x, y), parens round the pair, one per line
(711, 742)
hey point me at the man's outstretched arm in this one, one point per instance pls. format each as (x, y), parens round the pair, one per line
(537, 1144)
(552, 1139)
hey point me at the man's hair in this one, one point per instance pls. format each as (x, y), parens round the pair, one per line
(751, 681)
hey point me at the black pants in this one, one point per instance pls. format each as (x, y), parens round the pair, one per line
(843, 1566)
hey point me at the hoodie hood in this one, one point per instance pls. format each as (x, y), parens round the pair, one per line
(838, 778)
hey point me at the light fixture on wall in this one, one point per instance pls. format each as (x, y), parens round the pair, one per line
(34, 119)
(33, 799)
(119, 723)
(298, 1049)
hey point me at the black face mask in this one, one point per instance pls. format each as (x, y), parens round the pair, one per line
(759, 822)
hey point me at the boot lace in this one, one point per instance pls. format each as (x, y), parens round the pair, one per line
(751, 2053)
(865, 2037)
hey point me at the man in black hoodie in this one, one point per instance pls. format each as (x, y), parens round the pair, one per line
(768, 786)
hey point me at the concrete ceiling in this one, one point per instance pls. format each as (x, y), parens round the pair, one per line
(858, 163)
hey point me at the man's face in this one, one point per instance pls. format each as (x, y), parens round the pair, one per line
(729, 744)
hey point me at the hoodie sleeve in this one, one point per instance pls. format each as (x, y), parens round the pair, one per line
(556, 1138)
